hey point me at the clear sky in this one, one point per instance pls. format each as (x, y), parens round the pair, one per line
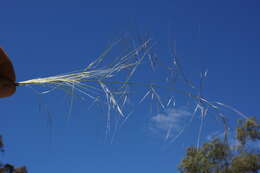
(45, 38)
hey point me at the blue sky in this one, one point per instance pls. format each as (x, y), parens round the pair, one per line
(45, 38)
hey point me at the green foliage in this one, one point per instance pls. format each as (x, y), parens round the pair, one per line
(218, 156)
(211, 157)
(245, 163)
(248, 130)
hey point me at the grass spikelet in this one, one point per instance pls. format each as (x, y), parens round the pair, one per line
(94, 81)
(108, 81)
(91, 74)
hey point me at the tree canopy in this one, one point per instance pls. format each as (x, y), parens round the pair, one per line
(9, 168)
(220, 156)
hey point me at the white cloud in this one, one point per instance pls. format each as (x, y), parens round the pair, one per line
(170, 122)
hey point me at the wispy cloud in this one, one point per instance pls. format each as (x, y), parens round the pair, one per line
(170, 122)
